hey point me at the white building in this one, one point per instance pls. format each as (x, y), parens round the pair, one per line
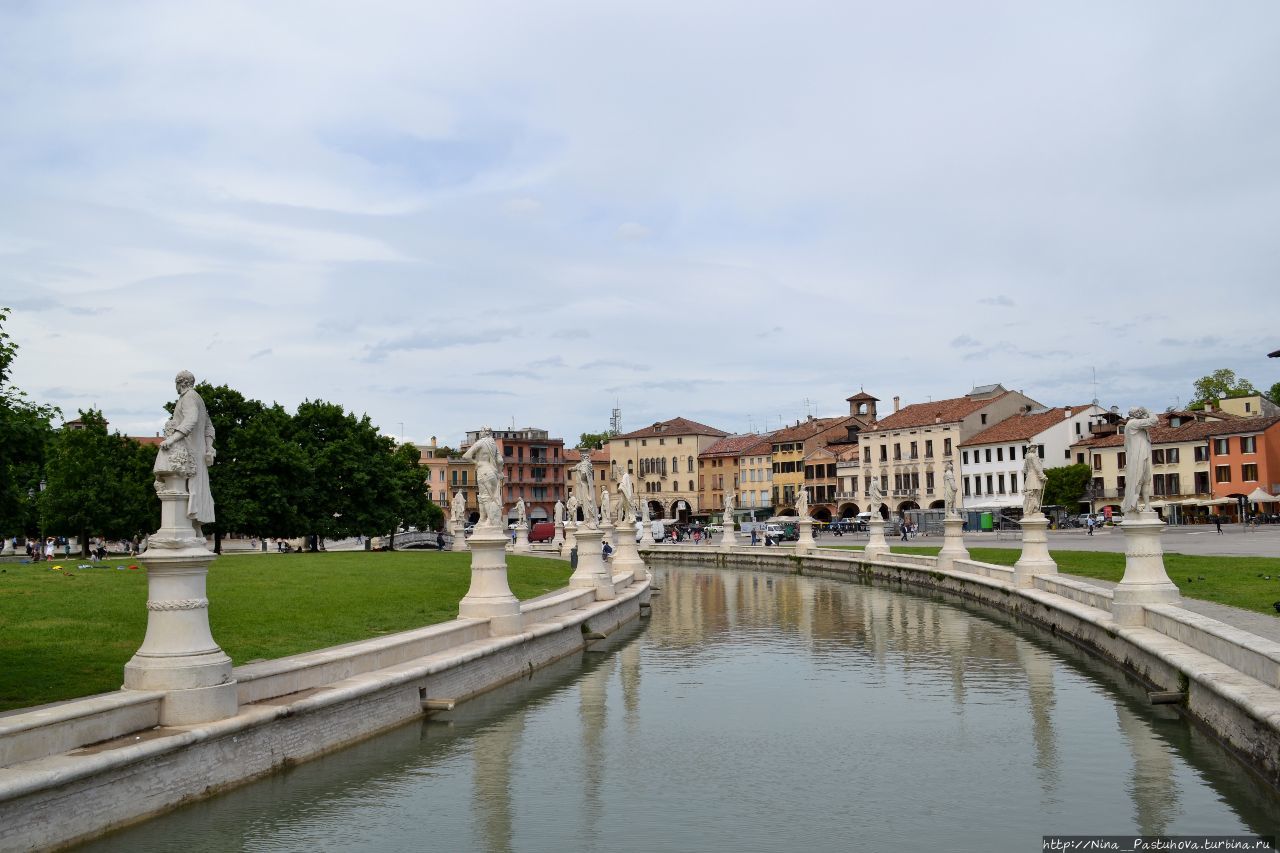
(991, 461)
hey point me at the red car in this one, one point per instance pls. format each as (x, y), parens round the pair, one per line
(542, 531)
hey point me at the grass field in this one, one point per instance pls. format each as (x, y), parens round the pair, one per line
(68, 634)
(1250, 583)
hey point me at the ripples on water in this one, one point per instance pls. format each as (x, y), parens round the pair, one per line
(762, 712)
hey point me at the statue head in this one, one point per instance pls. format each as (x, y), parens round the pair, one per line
(185, 380)
(1139, 412)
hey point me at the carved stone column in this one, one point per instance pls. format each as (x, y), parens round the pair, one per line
(522, 545)
(1145, 580)
(558, 539)
(729, 538)
(1035, 559)
(627, 558)
(459, 539)
(178, 654)
(646, 535)
(876, 546)
(592, 572)
(570, 539)
(952, 542)
(805, 543)
(490, 595)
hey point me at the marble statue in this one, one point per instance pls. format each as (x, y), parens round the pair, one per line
(559, 516)
(644, 510)
(626, 499)
(522, 514)
(1137, 464)
(458, 511)
(484, 453)
(728, 507)
(187, 451)
(1033, 480)
(606, 508)
(875, 497)
(585, 489)
(571, 509)
(950, 494)
(802, 502)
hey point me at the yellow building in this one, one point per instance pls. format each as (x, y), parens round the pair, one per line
(721, 468)
(662, 460)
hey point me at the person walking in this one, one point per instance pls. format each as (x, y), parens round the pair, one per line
(1217, 522)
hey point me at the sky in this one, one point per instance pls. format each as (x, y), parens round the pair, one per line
(450, 215)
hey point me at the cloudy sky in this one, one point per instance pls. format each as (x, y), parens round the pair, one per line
(456, 214)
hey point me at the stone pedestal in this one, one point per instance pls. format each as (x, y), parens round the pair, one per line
(459, 540)
(646, 535)
(610, 534)
(627, 558)
(1035, 559)
(1145, 580)
(178, 654)
(729, 538)
(592, 572)
(7, 549)
(952, 542)
(522, 545)
(570, 539)
(490, 595)
(805, 543)
(876, 546)
(558, 539)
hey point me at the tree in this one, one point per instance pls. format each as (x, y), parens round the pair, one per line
(98, 483)
(1274, 394)
(1224, 383)
(1065, 486)
(25, 431)
(596, 440)
(409, 492)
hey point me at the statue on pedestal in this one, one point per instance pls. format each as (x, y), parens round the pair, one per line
(802, 502)
(585, 489)
(522, 517)
(458, 512)
(951, 494)
(875, 497)
(488, 460)
(606, 509)
(187, 452)
(1137, 465)
(1033, 480)
(559, 512)
(626, 499)
(571, 509)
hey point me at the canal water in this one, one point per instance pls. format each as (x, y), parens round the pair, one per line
(758, 712)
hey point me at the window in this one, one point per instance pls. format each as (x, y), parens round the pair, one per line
(988, 454)
(1249, 444)
(1220, 447)
(1122, 459)
(977, 485)
(1000, 482)
(946, 447)
(1172, 485)
(866, 454)
(679, 440)
(1249, 472)
(928, 449)
(1079, 458)
(644, 442)
(1077, 427)
(984, 419)
(1120, 485)
(1066, 454)
(1222, 474)
(1040, 450)
(999, 456)
(1171, 456)
(964, 455)
(662, 441)
(1097, 462)
(884, 453)
(1201, 453)
(897, 451)
(914, 453)
(1013, 453)
(1157, 457)
(990, 482)
(1157, 484)
(626, 442)
(928, 482)
(884, 482)
(1013, 484)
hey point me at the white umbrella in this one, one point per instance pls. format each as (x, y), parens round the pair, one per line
(1258, 496)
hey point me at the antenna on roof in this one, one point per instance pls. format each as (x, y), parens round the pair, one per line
(1095, 385)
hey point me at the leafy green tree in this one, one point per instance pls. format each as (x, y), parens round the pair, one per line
(99, 483)
(254, 479)
(1274, 394)
(1065, 486)
(1221, 382)
(25, 431)
(596, 440)
(409, 492)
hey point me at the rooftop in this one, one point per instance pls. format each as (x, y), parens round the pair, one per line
(675, 426)
(938, 411)
(734, 445)
(1025, 426)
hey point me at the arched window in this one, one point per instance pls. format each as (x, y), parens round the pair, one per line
(691, 485)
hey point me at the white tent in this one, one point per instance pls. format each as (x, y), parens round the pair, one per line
(1258, 496)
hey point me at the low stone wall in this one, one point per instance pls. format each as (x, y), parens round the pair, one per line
(73, 770)
(1230, 677)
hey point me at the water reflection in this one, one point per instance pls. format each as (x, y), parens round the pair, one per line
(760, 711)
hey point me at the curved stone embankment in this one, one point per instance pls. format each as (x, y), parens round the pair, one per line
(1229, 678)
(71, 771)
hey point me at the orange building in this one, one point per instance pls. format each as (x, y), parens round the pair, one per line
(1244, 455)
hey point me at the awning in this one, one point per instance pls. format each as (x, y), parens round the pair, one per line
(1258, 496)
(1218, 502)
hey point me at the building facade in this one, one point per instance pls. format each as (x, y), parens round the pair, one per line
(1244, 456)
(534, 470)
(663, 462)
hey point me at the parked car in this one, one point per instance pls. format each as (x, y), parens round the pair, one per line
(542, 531)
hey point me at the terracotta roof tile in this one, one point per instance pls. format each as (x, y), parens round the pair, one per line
(675, 426)
(1024, 426)
(1242, 425)
(573, 454)
(939, 411)
(734, 445)
(1192, 430)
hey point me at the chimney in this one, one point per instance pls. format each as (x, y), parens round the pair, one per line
(897, 403)
(433, 442)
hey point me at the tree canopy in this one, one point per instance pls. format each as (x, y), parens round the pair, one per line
(1221, 383)
(1065, 486)
(25, 431)
(596, 440)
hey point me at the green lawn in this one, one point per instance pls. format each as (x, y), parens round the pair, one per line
(68, 634)
(1239, 581)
